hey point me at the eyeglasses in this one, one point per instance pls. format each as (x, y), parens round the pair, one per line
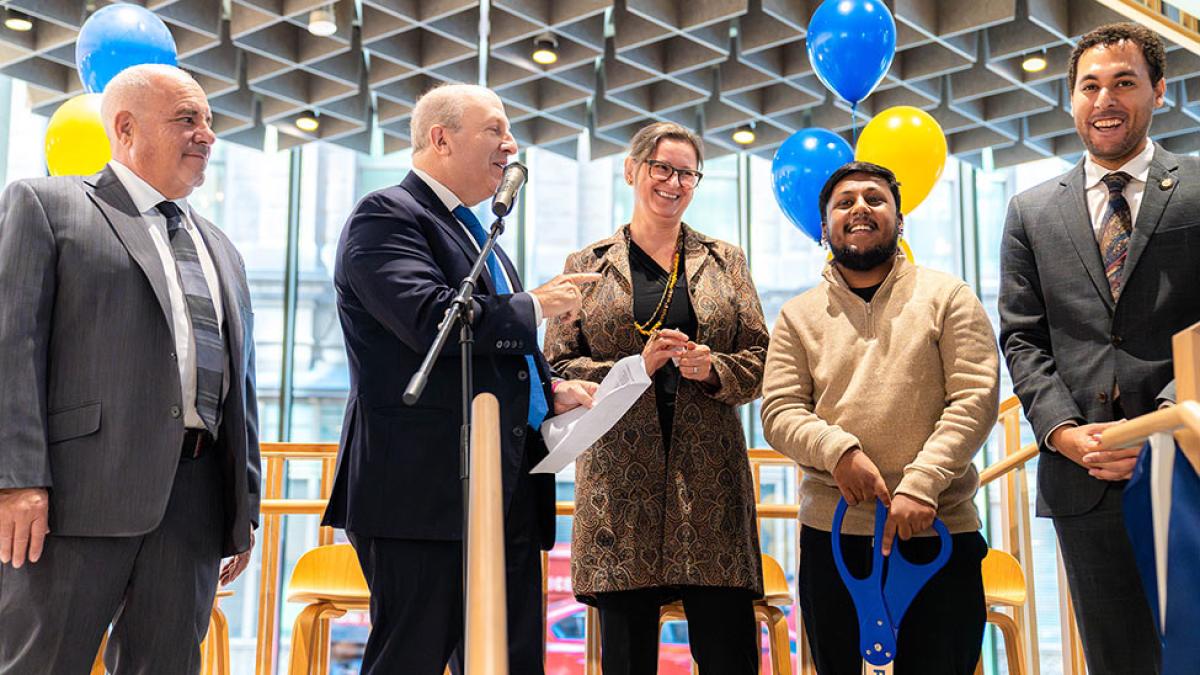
(661, 171)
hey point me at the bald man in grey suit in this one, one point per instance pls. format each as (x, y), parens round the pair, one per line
(128, 441)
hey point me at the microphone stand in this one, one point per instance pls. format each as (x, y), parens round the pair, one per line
(461, 312)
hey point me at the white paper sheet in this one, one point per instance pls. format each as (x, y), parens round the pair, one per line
(569, 434)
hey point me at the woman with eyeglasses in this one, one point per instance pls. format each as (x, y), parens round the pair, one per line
(665, 500)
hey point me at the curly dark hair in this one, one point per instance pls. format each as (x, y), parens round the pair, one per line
(874, 170)
(1150, 43)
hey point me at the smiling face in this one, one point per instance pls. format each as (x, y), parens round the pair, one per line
(663, 200)
(479, 149)
(1113, 101)
(862, 224)
(165, 136)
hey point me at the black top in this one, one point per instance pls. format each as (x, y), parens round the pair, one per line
(649, 283)
(867, 293)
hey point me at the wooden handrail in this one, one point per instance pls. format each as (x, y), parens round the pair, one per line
(486, 628)
(1007, 464)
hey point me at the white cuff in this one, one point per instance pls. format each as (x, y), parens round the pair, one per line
(537, 311)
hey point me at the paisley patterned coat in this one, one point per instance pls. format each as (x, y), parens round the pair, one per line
(644, 519)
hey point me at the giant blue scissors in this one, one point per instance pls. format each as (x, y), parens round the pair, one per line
(880, 599)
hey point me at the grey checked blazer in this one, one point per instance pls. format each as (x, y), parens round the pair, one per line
(1065, 339)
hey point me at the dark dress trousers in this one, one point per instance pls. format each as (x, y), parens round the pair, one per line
(397, 492)
(1069, 347)
(91, 409)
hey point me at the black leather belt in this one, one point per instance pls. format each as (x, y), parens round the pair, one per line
(195, 443)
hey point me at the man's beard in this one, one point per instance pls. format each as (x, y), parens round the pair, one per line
(865, 261)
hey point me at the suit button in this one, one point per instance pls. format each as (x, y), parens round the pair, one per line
(173, 356)
(175, 411)
(1116, 340)
(1102, 397)
(518, 431)
(522, 376)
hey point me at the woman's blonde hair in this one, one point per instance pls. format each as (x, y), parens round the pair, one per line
(645, 141)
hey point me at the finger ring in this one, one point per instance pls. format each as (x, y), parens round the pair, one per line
(695, 369)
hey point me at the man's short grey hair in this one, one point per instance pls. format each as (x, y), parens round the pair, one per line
(443, 105)
(132, 85)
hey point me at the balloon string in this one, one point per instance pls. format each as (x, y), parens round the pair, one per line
(854, 123)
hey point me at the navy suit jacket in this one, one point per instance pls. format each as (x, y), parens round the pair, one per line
(400, 259)
(1065, 339)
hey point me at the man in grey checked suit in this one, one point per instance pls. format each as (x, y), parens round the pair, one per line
(1099, 268)
(128, 441)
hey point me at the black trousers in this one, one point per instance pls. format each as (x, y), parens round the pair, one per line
(942, 632)
(1115, 622)
(722, 632)
(417, 598)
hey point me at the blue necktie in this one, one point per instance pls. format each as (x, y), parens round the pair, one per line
(537, 398)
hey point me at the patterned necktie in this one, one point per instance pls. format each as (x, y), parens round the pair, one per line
(537, 398)
(206, 333)
(1114, 235)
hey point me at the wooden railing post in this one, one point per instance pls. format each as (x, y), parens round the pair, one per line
(487, 625)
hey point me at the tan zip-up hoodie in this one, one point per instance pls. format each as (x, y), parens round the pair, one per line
(911, 377)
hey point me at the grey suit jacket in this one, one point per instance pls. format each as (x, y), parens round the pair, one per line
(1065, 339)
(90, 405)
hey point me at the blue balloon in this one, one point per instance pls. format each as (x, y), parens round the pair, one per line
(801, 166)
(119, 36)
(851, 44)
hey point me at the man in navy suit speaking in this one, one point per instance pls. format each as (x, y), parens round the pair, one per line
(397, 493)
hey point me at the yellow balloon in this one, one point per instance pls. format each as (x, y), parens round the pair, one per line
(76, 144)
(910, 142)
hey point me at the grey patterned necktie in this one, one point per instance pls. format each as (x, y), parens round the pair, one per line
(1114, 236)
(206, 332)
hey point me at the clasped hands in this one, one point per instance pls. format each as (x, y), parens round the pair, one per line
(1081, 444)
(694, 360)
(859, 480)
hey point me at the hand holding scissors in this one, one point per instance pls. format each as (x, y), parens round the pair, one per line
(879, 604)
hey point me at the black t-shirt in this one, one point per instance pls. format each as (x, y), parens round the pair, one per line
(867, 293)
(649, 283)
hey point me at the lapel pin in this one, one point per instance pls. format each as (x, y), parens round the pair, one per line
(1167, 183)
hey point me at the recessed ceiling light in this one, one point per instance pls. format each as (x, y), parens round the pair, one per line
(17, 21)
(545, 49)
(1035, 63)
(743, 135)
(321, 22)
(308, 122)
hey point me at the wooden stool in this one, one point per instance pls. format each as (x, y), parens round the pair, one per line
(767, 610)
(329, 580)
(1004, 584)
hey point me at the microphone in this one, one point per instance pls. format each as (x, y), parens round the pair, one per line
(514, 177)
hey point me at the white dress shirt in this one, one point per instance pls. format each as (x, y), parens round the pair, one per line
(1137, 167)
(451, 201)
(145, 199)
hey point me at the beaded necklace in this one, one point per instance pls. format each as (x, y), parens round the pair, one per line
(664, 303)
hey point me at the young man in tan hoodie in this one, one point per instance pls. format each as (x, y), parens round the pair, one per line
(882, 382)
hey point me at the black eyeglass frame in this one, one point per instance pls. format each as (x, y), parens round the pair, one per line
(674, 171)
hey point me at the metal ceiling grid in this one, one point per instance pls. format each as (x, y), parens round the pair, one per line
(713, 65)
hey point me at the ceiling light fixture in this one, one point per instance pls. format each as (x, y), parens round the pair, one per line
(1034, 63)
(321, 22)
(744, 135)
(17, 21)
(308, 122)
(545, 49)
